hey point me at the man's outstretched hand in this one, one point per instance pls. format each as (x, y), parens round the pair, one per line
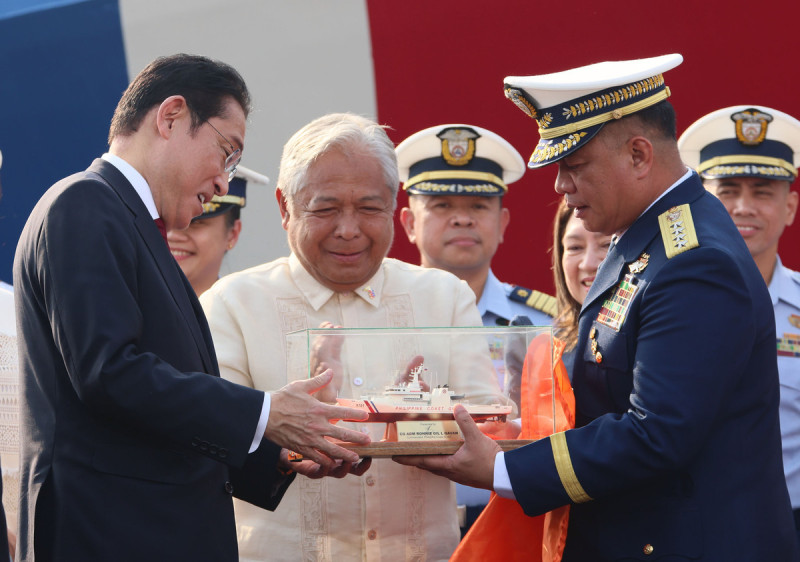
(310, 469)
(472, 464)
(299, 422)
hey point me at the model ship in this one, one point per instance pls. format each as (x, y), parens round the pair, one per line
(413, 401)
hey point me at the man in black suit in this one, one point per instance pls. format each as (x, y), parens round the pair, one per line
(132, 444)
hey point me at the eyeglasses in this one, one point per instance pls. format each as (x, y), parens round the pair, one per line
(233, 158)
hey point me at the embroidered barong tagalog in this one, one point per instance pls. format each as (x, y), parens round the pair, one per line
(614, 310)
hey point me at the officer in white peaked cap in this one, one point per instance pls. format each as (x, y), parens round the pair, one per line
(747, 156)
(456, 176)
(676, 453)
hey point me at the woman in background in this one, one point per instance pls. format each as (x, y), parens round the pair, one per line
(577, 254)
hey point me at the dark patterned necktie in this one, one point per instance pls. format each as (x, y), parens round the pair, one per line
(162, 228)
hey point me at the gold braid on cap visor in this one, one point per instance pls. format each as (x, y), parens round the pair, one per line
(734, 163)
(455, 175)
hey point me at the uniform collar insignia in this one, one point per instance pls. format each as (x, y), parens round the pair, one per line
(639, 265)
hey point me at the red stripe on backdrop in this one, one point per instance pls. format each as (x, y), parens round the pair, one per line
(444, 62)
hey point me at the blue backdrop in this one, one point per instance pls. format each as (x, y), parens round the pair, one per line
(62, 71)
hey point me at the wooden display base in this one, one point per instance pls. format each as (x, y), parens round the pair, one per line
(387, 449)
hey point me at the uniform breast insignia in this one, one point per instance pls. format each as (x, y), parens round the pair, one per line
(789, 345)
(534, 299)
(615, 309)
(677, 230)
(593, 345)
(794, 320)
(639, 265)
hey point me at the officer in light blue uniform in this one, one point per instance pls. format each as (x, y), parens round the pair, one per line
(747, 156)
(501, 302)
(456, 176)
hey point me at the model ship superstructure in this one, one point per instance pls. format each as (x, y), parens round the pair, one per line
(412, 400)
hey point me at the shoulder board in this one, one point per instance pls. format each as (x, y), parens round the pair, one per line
(677, 230)
(534, 299)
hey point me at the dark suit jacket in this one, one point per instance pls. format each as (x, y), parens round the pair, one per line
(679, 447)
(132, 443)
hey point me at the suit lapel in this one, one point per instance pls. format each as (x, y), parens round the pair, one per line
(176, 282)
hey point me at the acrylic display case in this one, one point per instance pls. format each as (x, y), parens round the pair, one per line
(408, 381)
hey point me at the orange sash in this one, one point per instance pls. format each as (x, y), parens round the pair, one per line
(547, 405)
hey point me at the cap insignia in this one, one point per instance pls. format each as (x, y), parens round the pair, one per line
(751, 126)
(677, 230)
(521, 101)
(458, 145)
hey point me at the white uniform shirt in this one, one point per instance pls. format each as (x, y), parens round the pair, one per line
(785, 292)
(495, 304)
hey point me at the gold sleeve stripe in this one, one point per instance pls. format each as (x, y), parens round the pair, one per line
(558, 441)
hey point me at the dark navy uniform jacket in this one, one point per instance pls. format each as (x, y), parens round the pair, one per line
(677, 454)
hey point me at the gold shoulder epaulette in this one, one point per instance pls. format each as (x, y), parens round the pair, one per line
(534, 299)
(677, 230)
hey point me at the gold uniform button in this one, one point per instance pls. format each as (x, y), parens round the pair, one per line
(594, 346)
(598, 357)
(648, 549)
(592, 332)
